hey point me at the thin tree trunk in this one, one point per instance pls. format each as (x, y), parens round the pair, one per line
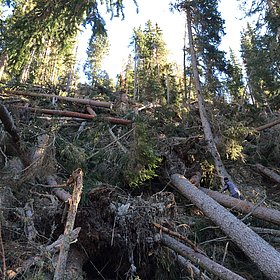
(199, 259)
(258, 250)
(3, 63)
(246, 207)
(203, 116)
(135, 72)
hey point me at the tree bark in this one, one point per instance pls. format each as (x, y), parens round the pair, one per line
(84, 101)
(269, 173)
(221, 170)
(199, 259)
(264, 213)
(258, 250)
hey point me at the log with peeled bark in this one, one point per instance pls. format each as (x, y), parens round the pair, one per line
(246, 207)
(74, 115)
(268, 173)
(84, 101)
(258, 250)
(199, 259)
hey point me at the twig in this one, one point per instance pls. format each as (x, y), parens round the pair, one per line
(178, 235)
(225, 253)
(92, 155)
(254, 208)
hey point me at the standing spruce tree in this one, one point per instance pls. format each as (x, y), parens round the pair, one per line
(152, 74)
(36, 25)
(261, 53)
(98, 48)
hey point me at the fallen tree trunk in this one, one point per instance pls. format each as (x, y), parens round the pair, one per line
(258, 250)
(199, 259)
(268, 125)
(84, 101)
(268, 172)
(264, 213)
(74, 115)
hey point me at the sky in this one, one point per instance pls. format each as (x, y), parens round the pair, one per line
(172, 24)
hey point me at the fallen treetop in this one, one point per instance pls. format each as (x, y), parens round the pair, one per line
(84, 101)
(257, 249)
(264, 213)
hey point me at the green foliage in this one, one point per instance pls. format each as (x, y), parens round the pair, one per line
(143, 160)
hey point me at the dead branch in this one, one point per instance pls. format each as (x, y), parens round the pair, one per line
(124, 149)
(270, 231)
(257, 249)
(268, 172)
(74, 115)
(268, 125)
(84, 101)
(191, 269)
(199, 259)
(246, 207)
(77, 176)
(91, 111)
(60, 193)
(48, 250)
(176, 234)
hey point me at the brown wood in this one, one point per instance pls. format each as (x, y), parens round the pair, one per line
(257, 249)
(74, 115)
(84, 101)
(268, 125)
(199, 259)
(264, 213)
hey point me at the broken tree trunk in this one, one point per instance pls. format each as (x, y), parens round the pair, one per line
(84, 101)
(199, 259)
(220, 168)
(74, 115)
(246, 207)
(77, 176)
(268, 172)
(257, 249)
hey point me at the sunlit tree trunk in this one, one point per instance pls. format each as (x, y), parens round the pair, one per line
(25, 72)
(3, 62)
(203, 116)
